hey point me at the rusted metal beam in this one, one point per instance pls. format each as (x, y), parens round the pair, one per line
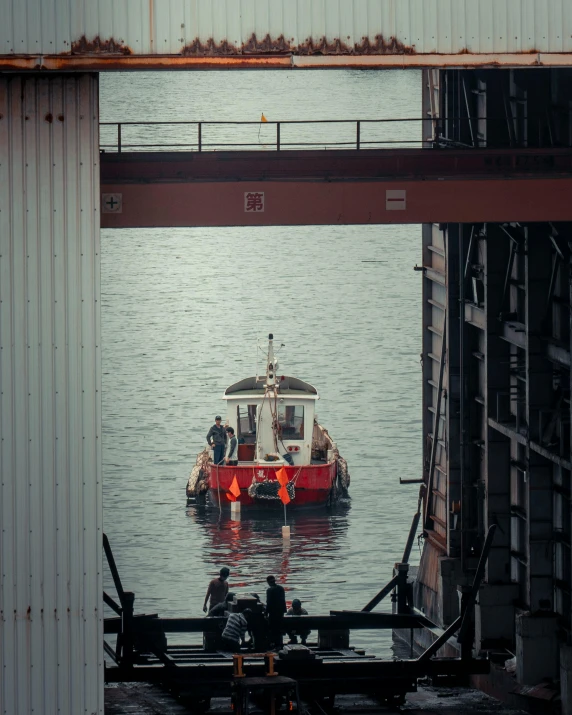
(104, 62)
(381, 595)
(511, 432)
(113, 568)
(337, 620)
(341, 675)
(290, 203)
(331, 165)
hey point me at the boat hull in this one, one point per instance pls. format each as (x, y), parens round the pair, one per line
(312, 483)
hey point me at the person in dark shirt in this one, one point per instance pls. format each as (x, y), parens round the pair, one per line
(275, 610)
(294, 631)
(216, 438)
(221, 608)
(217, 590)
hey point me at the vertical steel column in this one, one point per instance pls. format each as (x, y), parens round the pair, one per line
(427, 345)
(453, 383)
(468, 238)
(435, 406)
(127, 643)
(430, 85)
(567, 567)
(51, 650)
(496, 476)
(495, 613)
(539, 397)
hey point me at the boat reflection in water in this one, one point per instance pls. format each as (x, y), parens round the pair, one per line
(253, 547)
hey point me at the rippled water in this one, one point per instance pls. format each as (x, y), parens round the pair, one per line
(182, 310)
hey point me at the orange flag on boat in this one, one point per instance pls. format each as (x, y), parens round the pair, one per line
(230, 496)
(282, 477)
(234, 489)
(284, 496)
(263, 118)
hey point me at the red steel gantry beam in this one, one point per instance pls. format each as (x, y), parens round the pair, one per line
(263, 188)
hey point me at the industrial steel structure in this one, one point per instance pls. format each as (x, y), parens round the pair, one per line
(496, 366)
(142, 189)
(496, 306)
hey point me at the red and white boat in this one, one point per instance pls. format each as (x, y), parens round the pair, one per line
(281, 444)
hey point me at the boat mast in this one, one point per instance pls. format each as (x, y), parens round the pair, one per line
(271, 366)
(267, 417)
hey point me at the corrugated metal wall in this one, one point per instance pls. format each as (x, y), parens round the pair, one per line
(51, 659)
(167, 26)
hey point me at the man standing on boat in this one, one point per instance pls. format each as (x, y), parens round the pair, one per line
(231, 457)
(217, 440)
(217, 590)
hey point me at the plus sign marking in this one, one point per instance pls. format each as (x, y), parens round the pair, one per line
(111, 203)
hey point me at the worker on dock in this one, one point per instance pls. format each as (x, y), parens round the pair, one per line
(221, 608)
(297, 610)
(275, 610)
(216, 439)
(217, 590)
(231, 456)
(234, 632)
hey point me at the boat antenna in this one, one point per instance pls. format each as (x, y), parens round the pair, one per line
(270, 364)
(258, 351)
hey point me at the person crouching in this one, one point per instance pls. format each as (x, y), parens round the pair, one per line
(235, 630)
(293, 632)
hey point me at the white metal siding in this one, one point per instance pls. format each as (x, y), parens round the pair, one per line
(166, 26)
(51, 621)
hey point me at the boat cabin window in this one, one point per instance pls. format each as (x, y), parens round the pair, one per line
(246, 421)
(291, 421)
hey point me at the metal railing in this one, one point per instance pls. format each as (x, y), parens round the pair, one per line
(265, 140)
(267, 135)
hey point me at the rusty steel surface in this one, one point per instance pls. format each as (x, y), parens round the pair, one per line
(295, 202)
(335, 165)
(380, 45)
(157, 34)
(126, 61)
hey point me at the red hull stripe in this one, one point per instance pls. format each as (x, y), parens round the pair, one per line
(313, 482)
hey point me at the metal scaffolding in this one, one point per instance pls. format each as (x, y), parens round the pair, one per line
(496, 395)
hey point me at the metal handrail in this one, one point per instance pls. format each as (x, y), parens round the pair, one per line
(277, 143)
(369, 143)
(385, 120)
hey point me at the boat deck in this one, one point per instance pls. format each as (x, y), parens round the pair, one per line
(245, 463)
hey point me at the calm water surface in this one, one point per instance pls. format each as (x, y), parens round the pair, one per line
(182, 312)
